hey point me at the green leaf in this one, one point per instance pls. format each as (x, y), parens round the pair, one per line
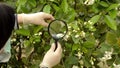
(113, 6)
(22, 2)
(24, 9)
(37, 29)
(32, 3)
(90, 37)
(75, 40)
(110, 22)
(104, 47)
(88, 44)
(86, 61)
(71, 60)
(64, 6)
(18, 8)
(55, 7)
(94, 19)
(104, 4)
(23, 32)
(95, 8)
(28, 50)
(36, 38)
(84, 50)
(75, 47)
(111, 38)
(59, 14)
(27, 42)
(113, 13)
(70, 16)
(74, 25)
(47, 9)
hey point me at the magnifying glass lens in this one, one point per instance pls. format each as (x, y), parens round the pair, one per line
(57, 29)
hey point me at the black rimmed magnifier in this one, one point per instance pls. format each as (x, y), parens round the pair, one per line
(57, 29)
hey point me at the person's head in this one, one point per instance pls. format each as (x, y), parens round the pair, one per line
(7, 21)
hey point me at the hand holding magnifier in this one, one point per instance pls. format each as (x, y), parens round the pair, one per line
(57, 29)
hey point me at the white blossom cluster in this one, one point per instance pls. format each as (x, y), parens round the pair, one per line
(40, 33)
(79, 55)
(75, 66)
(116, 66)
(89, 2)
(107, 55)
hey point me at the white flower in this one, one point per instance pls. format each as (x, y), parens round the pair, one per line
(89, 2)
(69, 27)
(36, 34)
(97, 41)
(107, 55)
(13, 39)
(81, 62)
(74, 66)
(74, 30)
(116, 66)
(67, 36)
(40, 33)
(85, 23)
(82, 34)
(60, 35)
(79, 55)
(76, 36)
(90, 22)
(51, 0)
(91, 27)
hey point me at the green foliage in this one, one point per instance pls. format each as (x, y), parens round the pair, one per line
(93, 30)
(110, 22)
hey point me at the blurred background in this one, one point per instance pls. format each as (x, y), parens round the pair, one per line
(92, 41)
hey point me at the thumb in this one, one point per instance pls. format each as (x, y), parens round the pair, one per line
(59, 49)
(52, 47)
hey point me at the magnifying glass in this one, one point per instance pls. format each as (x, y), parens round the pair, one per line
(57, 29)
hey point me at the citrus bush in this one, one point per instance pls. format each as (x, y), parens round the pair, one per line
(93, 39)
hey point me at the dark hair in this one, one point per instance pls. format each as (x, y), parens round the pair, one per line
(7, 21)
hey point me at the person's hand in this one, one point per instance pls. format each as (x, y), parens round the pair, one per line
(37, 18)
(52, 57)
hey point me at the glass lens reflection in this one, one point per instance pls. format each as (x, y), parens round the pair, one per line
(57, 29)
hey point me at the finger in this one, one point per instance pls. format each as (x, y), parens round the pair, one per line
(59, 49)
(48, 16)
(52, 47)
(44, 23)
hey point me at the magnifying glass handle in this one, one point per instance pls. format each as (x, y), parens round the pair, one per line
(56, 45)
